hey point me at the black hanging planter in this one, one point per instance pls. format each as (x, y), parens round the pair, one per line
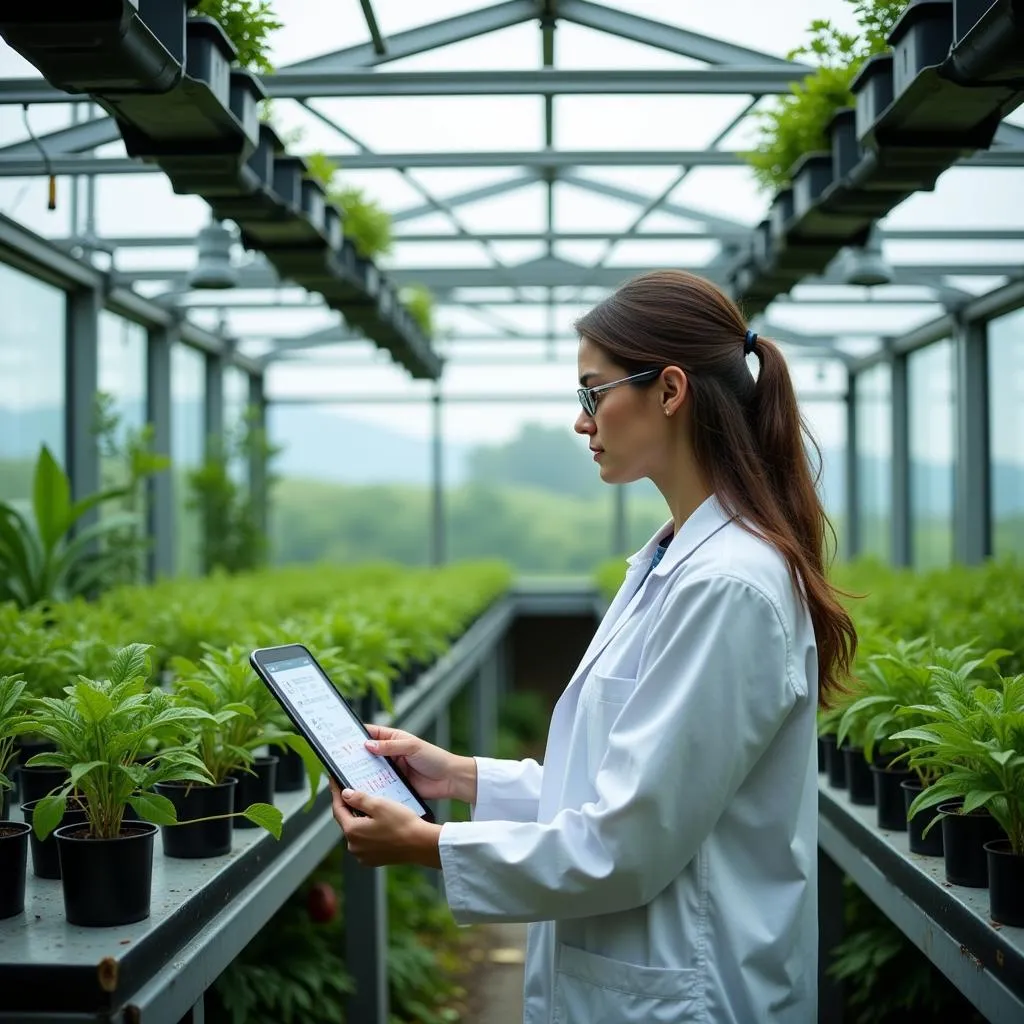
(13, 861)
(891, 807)
(202, 838)
(842, 133)
(115, 46)
(963, 843)
(1005, 883)
(989, 42)
(931, 844)
(255, 789)
(45, 856)
(811, 175)
(291, 773)
(106, 882)
(780, 214)
(920, 39)
(35, 783)
(859, 782)
(835, 762)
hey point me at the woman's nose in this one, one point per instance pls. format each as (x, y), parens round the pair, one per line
(584, 424)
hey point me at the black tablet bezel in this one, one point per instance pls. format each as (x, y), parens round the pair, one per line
(284, 653)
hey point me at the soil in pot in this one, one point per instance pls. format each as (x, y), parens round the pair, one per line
(106, 882)
(889, 802)
(255, 789)
(858, 776)
(963, 843)
(35, 783)
(835, 763)
(13, 861)
(203, 838)
(291, 773)
(931, 844)
(1005, 883)
(45, 858)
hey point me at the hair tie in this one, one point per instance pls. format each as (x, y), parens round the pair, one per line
(750, 343)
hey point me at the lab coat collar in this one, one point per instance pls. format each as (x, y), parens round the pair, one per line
(706, 519)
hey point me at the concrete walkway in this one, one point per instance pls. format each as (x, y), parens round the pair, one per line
(499, 996)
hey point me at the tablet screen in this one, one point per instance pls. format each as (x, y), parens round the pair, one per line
(316, 702)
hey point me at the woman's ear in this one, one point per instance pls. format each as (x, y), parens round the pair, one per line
(673, 389)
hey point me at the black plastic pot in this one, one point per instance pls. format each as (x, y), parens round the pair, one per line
(842, 133)
(966, 14)
(1005, 883)
(873, 89)
(35, 783)
(963, 843)
(780, 213)
(5, 804)
(892, 810)
(990, 42)
(13, 861)
(291, 773)
(28, 748)
(45, 857)
(106, 882)
(835, 763)
(920, 39)
(203, 838)
(931, 844)
(811, 175)
(255, 789)
(858, 777)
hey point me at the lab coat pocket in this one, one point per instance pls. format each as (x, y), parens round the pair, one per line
(592, 989)
(605, 696)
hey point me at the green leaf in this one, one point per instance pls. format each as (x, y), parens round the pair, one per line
(154, 808)
(47, 815)
(266, 816)
(129, 663)
(79, 771)
(51, 499)
(94, 705)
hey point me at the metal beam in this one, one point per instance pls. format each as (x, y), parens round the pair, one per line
(76, 138)
(667, 37)
(424, 37)
(31, 165)
(568, 398)
(748, 80)
(473, 195)
(376, 38)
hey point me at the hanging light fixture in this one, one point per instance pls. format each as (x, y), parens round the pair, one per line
(214, 268)
(866, 265)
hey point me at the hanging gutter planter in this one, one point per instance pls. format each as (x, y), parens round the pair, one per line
(96, 46)
(844, 147)
(920, 39)
(780, 214)
(311, 265)
(989, 43)
(873, 90)
(811, 175)
(298, 218)
(206, 127)
(253, 195)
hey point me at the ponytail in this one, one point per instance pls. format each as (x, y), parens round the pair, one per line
(748, 436)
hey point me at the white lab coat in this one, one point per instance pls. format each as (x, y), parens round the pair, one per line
(667, 848)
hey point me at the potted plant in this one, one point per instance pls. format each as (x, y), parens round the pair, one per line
(100, 727)
(242, 717)
(13, 834)
(976, 734)
(248, 24)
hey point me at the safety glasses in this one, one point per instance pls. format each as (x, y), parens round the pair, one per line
(588, 396)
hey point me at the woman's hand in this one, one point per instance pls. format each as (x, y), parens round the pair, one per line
(390, 833)
(435, 773)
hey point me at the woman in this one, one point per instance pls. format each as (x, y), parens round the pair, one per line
(666, 849)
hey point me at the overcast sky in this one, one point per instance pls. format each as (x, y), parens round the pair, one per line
(144, 204)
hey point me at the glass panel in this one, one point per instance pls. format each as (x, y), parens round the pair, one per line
(932, 450)
(31, 378)
(874, 461)
(121, 416)
(188, 388)
(236, 402)
(1006, 428)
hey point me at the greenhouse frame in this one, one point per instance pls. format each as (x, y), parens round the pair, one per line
(889, 266)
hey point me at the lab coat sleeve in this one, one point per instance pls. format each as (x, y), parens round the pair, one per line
(507, 790)
(714, 685)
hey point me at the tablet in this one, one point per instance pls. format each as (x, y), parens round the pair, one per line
(334, 731)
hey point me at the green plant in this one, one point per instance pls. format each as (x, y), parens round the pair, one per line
(128, 462)
(419, 300)
(233, 535)
(12, 722)
(796, 124)
(103, 730)
(366, 223)
(40, 560)
(248, 24)
(239, 714)
(972, 738)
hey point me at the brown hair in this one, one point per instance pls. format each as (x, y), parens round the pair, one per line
(748, 435)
